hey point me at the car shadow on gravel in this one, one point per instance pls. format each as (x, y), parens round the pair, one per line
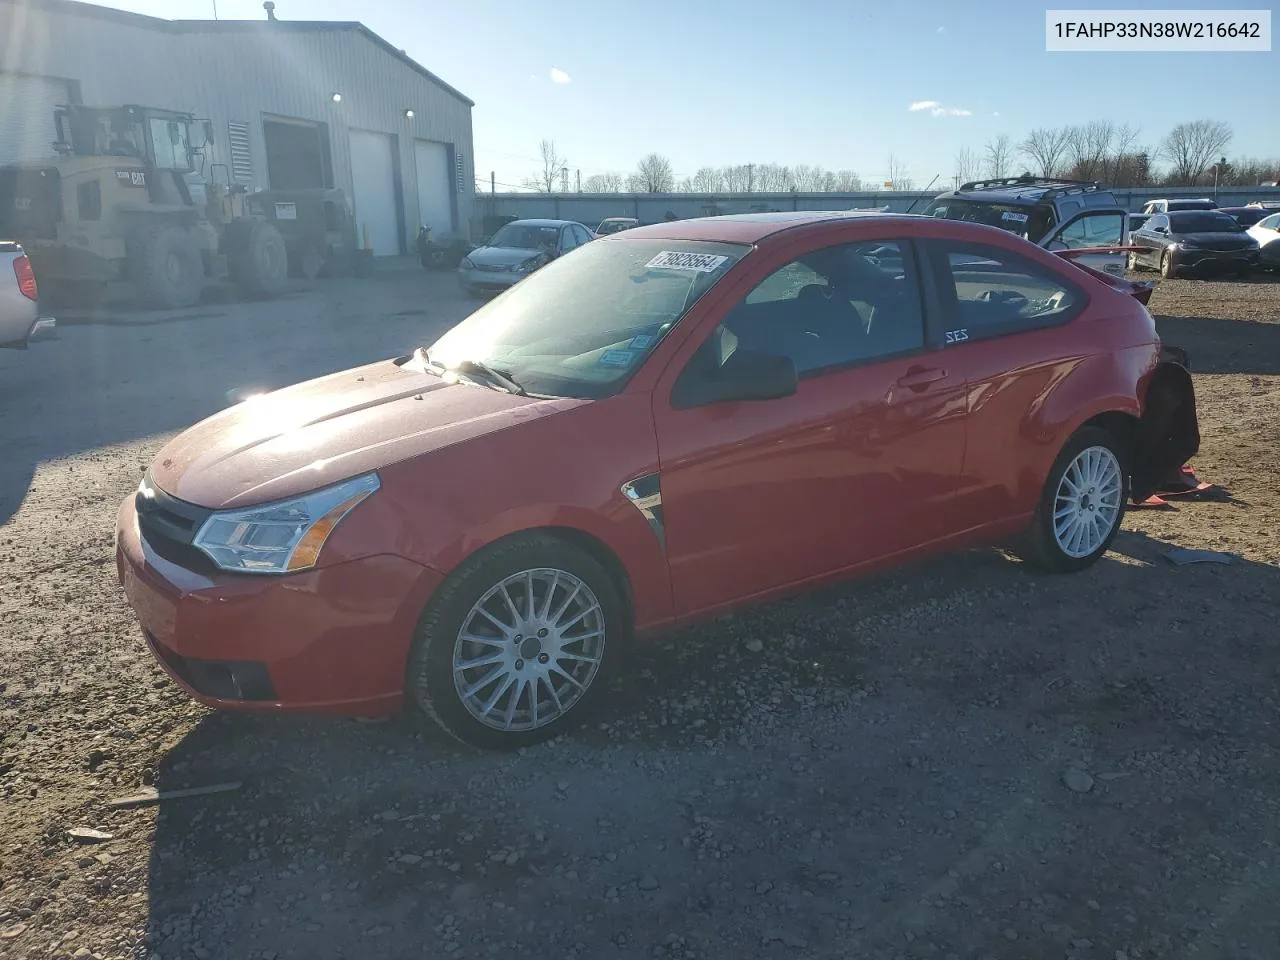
(879, 760)
(1217, 345)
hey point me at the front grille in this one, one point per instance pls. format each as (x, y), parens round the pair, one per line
(169, 526)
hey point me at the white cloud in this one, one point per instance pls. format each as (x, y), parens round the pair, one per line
(996, 113)
(941, 30)
(936, 109)
(559, 76)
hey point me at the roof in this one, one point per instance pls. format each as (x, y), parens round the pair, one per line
(746, 227)
(541, 222)
(74, 8)
(1024, 191)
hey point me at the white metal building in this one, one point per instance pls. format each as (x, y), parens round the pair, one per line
(293, 104)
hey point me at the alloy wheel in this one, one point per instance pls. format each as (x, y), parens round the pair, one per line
(528, 650)
(1086, 505)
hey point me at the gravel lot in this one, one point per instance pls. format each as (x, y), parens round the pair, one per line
(956, 760)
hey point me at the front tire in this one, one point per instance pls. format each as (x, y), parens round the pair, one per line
(165, 265)
(257, 257)
(1167, 269)
(1082, 505)
(518, 643)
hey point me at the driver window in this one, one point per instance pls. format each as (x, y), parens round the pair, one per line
(1100, 230)
(842, 305)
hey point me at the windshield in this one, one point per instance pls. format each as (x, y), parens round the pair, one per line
(1203, 221)
(1030, 222)
(1191, 205)
(526, 236)
(612, 226)
(581, 325)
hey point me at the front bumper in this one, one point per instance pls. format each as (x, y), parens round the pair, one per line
(1214, 261)
(489, 280)
(333, 640)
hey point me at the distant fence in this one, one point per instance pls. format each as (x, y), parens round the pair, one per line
(591, 208)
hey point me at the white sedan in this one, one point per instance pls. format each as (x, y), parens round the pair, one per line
(1267, 233)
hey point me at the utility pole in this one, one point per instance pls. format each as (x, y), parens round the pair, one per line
(493, 183)
(579, 173)
(564, 179)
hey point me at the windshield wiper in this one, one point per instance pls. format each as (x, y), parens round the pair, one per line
(433, 366)
(498, 378)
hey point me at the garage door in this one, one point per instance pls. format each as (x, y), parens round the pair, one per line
(435, 186)
(373, 191)
(27, 105)
(297, 154)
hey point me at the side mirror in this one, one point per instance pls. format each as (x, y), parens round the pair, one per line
(751, 375)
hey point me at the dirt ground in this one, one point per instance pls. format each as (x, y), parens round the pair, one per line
(956, 760)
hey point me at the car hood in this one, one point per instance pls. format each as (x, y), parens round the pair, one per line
(1218, 241)
(307, 436)
(501, 256)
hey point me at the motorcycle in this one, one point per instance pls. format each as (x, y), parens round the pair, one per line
(438, 256)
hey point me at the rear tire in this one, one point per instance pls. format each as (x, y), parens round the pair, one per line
(165, 265)
(504, 672)
(1082, 505)
(257, 258)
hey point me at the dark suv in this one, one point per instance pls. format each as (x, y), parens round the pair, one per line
(1055, 214)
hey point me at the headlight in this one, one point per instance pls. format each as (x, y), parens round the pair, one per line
(281, 537)
(466, 264)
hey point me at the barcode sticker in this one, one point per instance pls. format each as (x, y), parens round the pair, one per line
(698, 262)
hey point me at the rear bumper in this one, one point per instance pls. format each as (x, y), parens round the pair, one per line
(333, 640)
(18, 317)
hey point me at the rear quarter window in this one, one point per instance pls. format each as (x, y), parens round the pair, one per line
(991, 292)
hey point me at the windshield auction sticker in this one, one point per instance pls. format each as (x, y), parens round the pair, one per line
(698, 262)
(1142, 31)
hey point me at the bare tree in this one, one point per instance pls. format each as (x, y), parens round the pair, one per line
(602, 183)
(773, 178)
(1192, 147)
(549, 173)
(998, 154)
(967, 165)
(737, 179)
(653, 175)
(807, 179)
(1044, 147)
(897, 173)
(845, 181)
(707, 180)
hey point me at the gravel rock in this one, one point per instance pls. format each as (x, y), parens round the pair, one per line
(1078, 780)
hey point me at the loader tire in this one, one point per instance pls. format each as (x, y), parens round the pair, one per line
(256, 257)
(165, 266)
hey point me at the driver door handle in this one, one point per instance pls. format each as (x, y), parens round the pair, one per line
(919, 378)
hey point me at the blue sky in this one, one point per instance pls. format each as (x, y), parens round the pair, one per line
(809, 81)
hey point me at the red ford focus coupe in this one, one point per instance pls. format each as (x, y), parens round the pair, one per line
(668, 423)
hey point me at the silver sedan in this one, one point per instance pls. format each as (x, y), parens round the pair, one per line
(517, 250)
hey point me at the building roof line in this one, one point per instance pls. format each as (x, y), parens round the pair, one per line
(75, 8)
